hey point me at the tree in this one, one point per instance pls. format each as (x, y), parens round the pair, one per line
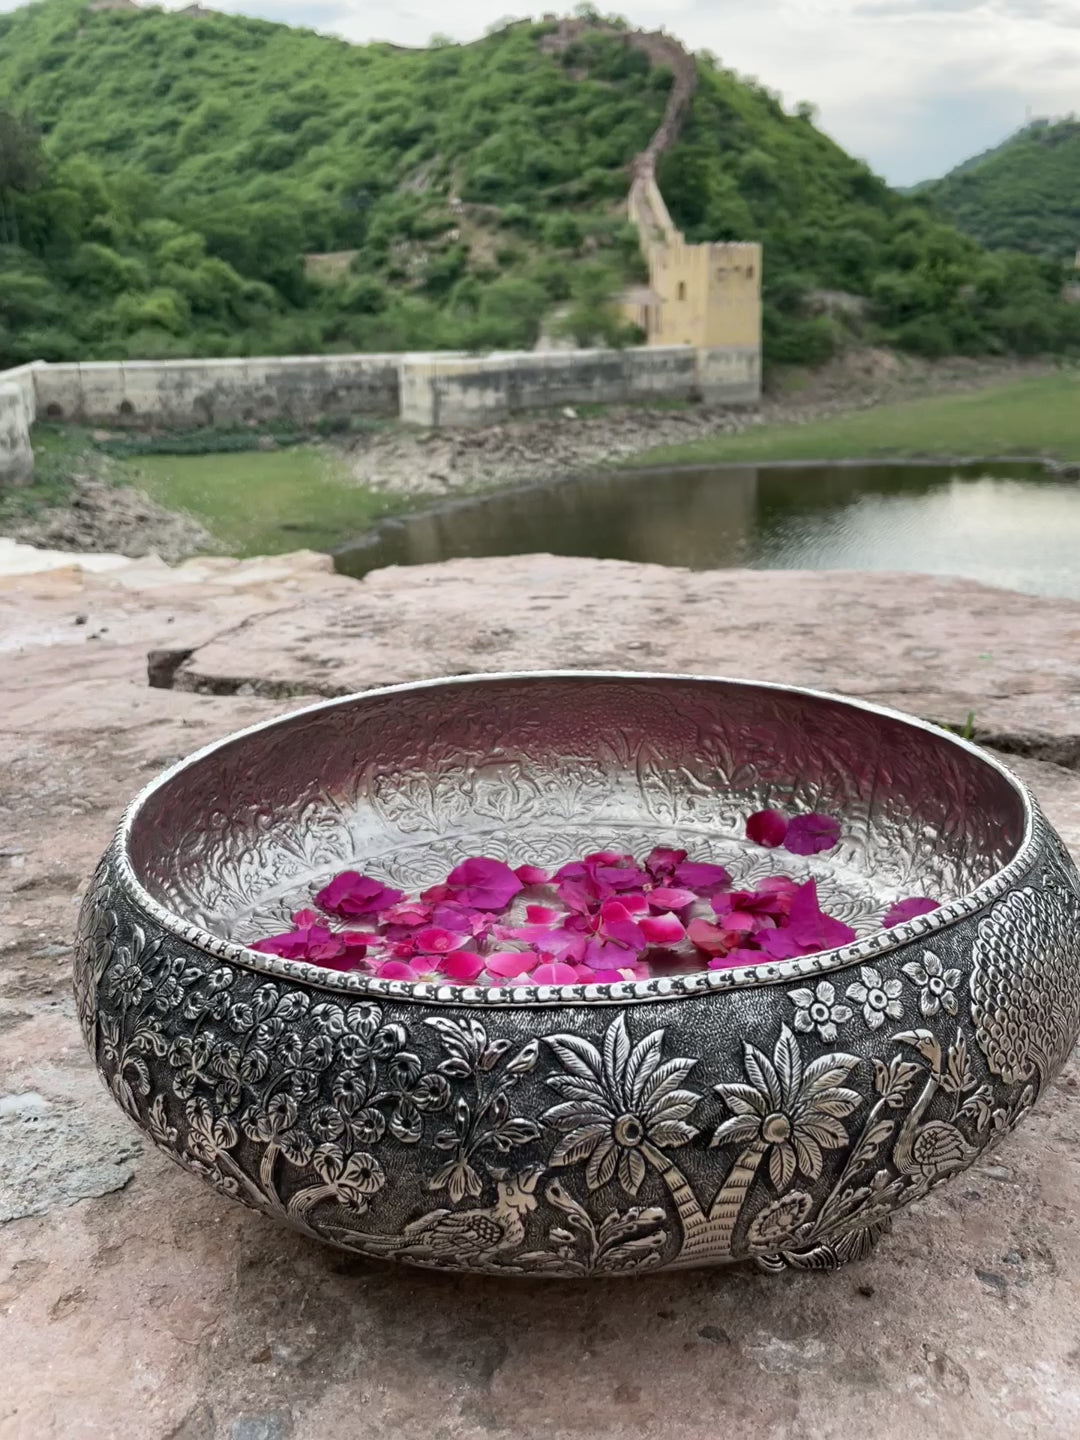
(22, 168)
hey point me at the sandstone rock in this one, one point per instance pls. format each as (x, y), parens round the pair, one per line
(942, 648)
(138, 1303)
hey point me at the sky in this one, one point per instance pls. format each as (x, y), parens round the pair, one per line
(911, 86)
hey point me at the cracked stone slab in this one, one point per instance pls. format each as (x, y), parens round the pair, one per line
(939, 647)
(62, 1138)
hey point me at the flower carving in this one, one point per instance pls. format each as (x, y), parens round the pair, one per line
(353, 1179)
(350, 1111)
(276, 1125)
(209, 1135)
(778, 1224)
(360, 1036)
(879, 998)
(818, 1010)
(938, 985)
(788, 1111)
(413, 1094)
(129, 983)
(620, 1107)
(191, 1057)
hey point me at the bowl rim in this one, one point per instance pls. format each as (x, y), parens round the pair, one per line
(667, 987)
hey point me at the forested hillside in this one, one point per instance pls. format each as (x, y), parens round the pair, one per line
(163, 176)
(1024, 195)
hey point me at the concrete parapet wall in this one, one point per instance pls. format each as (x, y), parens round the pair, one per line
(475, 391)
(423, 389)
(24, 378)
(16, 413)
(219, 392)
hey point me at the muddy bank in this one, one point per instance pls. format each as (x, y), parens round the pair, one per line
(102, 517)
(536, 449)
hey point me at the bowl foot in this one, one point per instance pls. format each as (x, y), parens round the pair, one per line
(856, 1245)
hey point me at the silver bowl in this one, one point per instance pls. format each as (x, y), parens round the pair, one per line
(781, 1112)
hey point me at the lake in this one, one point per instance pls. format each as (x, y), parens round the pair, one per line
(1007, 524)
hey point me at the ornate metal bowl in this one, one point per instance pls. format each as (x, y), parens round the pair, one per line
(782, 1112)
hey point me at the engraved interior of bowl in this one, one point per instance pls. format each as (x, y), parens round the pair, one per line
(404, 781)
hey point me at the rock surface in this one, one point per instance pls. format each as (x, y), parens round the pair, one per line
(943, 648)
(134, 1302)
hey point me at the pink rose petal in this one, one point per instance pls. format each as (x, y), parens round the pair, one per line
(662, 861)
(662, 929)
(735, 959)
(509, 964)
(708, 937)
(767, 827)
(483, 884)
(810, 834)
(436, 941)
(703, 878)
(531, 875)
(556, 974)
(396, 970)
(462, 966)
(783, 945)
(541, 914)
(904, 910)
(665, 898)
(350, 894)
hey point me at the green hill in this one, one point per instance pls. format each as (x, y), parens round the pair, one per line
(457, 196)
(1023, 195)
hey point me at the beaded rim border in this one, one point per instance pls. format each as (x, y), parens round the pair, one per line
(665, 987)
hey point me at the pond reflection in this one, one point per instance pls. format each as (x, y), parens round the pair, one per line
(1004, 524)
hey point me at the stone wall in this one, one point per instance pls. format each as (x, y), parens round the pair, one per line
(423, 389)
(182, 393)
(462, 391)
(16, 416)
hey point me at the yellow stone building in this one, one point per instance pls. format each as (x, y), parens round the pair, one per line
(707, 296)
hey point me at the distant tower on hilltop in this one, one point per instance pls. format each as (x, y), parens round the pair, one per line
(707, 296)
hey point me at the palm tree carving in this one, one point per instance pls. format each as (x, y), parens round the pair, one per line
(622, 1106)
(787, 1111)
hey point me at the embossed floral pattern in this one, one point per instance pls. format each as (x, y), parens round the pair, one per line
(407, 1130)
(128, 981)
(209, 1135)
(879, 998)
(276, 1125)
(776, 1226)
(353, 1179)
(936, 984)
(819, 1010)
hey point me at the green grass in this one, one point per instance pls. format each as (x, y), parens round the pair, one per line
(59, 454)
(1032, 417)
(263, 503)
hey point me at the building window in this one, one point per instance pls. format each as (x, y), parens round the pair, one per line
(682, 289)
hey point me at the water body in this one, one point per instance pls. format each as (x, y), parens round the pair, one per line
(1005, 524)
